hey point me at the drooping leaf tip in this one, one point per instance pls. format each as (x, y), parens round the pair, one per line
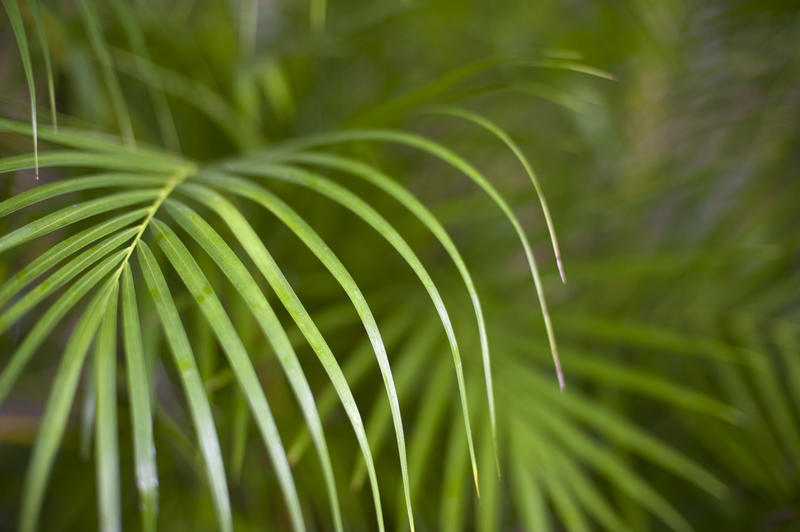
(559, 372)
(561, 270)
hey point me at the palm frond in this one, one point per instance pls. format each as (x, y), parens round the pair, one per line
(180, 232)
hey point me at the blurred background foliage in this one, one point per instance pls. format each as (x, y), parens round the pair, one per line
(674, 192)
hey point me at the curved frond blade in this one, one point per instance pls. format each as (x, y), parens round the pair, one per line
(315, 243)
(18, 27)
(131, 162)
(361, 209)
(68, 215)
(48, 67)
(54, 419)
(244, 283)
(50, 319)
(501, 134)
(355, 370)
(94, 141)
(425, 216)
(62, 250)
(406, 375)
(277, 281)
(192, 384)
(443, 153)
(62, 276)
(106, 439)
(141, 413)
(52, 190)
(197, 283)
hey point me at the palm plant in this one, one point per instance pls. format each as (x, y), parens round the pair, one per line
(180, 213)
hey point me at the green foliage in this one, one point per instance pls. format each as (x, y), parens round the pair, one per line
(197, 216)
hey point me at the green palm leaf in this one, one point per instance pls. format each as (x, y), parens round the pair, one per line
(679, 229)
(453, 159)
(337, 269)
(48, 321)
(141, 411)
(373, 218)
(106, 440)
(54, 418)
(233, 268)
(272, 273)
(17, 25)
(192, 384)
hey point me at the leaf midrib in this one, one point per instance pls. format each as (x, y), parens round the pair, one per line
(177, 178)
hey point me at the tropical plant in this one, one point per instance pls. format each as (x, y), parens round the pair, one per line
(177, 247)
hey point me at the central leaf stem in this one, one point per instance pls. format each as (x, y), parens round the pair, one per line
(176, 179)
